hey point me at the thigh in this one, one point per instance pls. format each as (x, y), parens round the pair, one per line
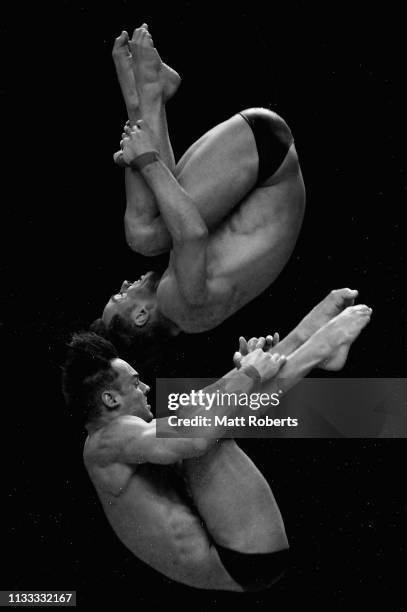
(217, 171)
(261, 232)
(220, 169)
(234, 499)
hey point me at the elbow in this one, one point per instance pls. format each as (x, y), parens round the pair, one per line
(148, 241)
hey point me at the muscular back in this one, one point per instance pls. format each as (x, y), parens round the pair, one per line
(149, 509)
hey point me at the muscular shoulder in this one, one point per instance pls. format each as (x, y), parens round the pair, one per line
(104, 447)
(195, 319)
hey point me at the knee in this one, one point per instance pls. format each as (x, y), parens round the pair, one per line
(146, 240)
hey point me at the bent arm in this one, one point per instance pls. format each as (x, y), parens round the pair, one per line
(187, 228)
(142, 445)
(182, 217)
(134, 441)
(145, 230)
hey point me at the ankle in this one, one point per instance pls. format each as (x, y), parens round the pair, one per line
(151, 98)
(299, 335)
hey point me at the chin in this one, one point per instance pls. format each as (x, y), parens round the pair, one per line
(144, 414)
(153, 281)
(147, 416)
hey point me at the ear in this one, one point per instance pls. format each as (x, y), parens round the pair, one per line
(141, 317)
(111, 399)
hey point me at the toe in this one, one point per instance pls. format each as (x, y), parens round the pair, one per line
(121, 47)
(140, 32)
(119, 42)
(362, 309)
(136, 35)
(145, 39)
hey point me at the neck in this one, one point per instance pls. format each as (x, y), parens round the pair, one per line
(99, 424)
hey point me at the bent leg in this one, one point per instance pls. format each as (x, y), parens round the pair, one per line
(240, 514)
(235, 500)
(232, 159)
(216, 172)
(222, 168)
(143, 96)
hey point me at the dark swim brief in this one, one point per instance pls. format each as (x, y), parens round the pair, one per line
(254, 571)
(273, 139)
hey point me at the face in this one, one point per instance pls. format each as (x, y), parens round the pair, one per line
(140, 298)
(132, 392)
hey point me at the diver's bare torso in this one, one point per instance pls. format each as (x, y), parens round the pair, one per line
(245, 253)
(151, 513)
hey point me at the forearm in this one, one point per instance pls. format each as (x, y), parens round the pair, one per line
(140, 201)
(141, 207)
(223, 401)
(205, 403)
(180, 215)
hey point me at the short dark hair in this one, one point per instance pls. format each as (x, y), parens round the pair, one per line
(133, 342)
(87, 371)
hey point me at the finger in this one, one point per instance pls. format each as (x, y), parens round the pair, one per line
(242, 345)
(272, 340)
(127, 129)
(237, 359)
(261, 342)
(279, 359)
(118, 159)
(252, 344)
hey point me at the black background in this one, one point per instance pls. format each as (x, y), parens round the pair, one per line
(336, 73)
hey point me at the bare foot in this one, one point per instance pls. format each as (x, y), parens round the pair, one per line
(124, 68)
(153, 78)
(334, 303)
(336, 336)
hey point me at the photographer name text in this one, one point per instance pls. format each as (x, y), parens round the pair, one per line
(238, 421)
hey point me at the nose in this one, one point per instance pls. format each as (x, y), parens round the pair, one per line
(145, 388)
(126, 284)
